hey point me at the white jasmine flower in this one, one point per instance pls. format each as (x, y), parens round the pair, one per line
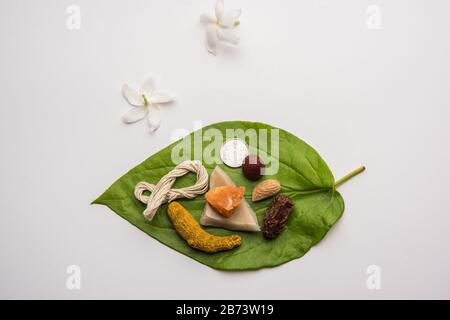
(222, 27)
(145, 102)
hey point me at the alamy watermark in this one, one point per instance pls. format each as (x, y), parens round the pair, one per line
(205, 145)
(373, 281)
(73, 281)
(73, 19)
(373, 21)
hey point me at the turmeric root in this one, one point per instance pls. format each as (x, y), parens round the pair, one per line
(189, 229)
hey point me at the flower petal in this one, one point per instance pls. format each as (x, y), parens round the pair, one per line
(206, 19)
(132, 96)
(211, 43)
(149, 86)
(230, 18)
(227, 36)
(161, 97)
(154, 117)
(135, 114)
(219, 9)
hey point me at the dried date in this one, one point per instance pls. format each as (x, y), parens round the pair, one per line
(276, 216)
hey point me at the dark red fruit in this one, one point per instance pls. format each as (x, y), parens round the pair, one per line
(253, 167)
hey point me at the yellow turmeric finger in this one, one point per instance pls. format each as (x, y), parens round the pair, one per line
(195, 236)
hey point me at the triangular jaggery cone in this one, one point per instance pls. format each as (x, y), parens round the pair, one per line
(243, 218)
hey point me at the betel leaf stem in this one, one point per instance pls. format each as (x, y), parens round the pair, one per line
(349, 176)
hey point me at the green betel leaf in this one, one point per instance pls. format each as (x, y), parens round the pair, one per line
(303, 174)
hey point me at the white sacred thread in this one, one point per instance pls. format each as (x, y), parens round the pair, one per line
(162, 193)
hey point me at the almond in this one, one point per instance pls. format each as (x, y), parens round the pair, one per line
(265, 189)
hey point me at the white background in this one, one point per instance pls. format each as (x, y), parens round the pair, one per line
(378, 98)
